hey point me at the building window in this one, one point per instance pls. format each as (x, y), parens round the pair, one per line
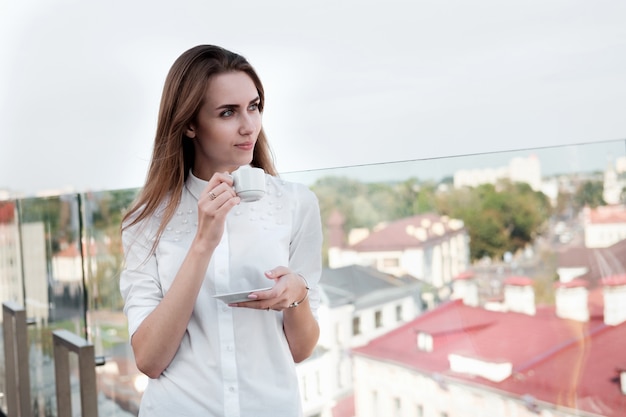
(356, 326)
(391, 262)
(397, 407)
(375, 402)
(340, 383)
(424, 342)
(399, 312)
(305, 389)
(318, 383)
(378, 319)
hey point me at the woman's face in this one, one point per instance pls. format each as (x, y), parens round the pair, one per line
(227, 126)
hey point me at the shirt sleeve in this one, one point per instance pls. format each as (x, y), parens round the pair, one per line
(139, 281)
(305, 249)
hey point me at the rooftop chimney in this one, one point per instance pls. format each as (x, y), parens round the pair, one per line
(571, 300)
(336, 235)
(464, 287)
(519, 295)
(614, 299)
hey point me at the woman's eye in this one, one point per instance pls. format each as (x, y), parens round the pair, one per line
(254, 106)
(227, 113)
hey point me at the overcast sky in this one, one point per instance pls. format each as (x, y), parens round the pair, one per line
(347, 82)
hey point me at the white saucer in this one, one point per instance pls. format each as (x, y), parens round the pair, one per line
(238, 297)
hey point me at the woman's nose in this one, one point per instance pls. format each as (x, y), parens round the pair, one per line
(247, 125)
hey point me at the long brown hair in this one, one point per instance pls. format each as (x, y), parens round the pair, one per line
(173, 154)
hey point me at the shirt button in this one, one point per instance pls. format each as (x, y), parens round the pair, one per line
(225, 309)
(229, 348)
(231, 389)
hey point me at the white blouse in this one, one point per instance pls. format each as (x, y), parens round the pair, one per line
(232, 362)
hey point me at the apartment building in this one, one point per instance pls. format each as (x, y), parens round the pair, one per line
(359, 304)
(429, 247)
(604, 225)
(519, 169)
(10, 261)
(460, 360)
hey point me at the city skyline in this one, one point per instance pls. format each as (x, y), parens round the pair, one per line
(567, 159)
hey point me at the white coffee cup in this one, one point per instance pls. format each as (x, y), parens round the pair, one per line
(249, 183)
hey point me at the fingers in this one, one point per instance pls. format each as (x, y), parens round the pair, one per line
(261, 300)
(278, 272)
(288, 288)
(219, 196)
(216, 200)
(219, 189)
(218, 178)
(261, 305)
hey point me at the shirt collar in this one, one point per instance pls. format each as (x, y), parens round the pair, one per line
(195, 185)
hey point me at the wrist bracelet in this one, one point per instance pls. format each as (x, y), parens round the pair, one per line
(297, 303)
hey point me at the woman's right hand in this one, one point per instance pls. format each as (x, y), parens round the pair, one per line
(158, 338)
(216, 200)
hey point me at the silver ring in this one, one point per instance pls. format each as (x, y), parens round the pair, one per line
(212, 195)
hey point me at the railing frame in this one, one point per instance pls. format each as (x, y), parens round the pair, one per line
(64, 343)
(17, 373)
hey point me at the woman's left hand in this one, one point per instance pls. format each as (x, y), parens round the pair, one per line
(288, 288)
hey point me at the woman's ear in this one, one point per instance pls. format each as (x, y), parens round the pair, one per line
(190, 132)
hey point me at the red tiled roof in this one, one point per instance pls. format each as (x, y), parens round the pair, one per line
(336, 235)
(335, 219)
(599, 262)
(614, 280)
(7, 212)
(559, 361)
(606, 215)
(464, 276)
(574, 256)
(403, 233)
(71, 250)
(518, 281)
(344, 407)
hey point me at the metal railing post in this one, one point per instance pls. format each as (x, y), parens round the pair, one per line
(16, 360)
(64, 343)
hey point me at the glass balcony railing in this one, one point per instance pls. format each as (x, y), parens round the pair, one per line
(490, 284)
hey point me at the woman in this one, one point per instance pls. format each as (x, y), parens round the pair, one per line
(189, 237)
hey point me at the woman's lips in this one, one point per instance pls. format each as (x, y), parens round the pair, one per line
(247, 146)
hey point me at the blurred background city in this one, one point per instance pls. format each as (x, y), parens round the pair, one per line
(494, 290)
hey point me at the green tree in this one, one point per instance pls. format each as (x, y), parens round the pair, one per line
(564, 203)
(57, 213)
(589, 193)
(499, 219)
(338, 193)
(366, 205)
(103, 218)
